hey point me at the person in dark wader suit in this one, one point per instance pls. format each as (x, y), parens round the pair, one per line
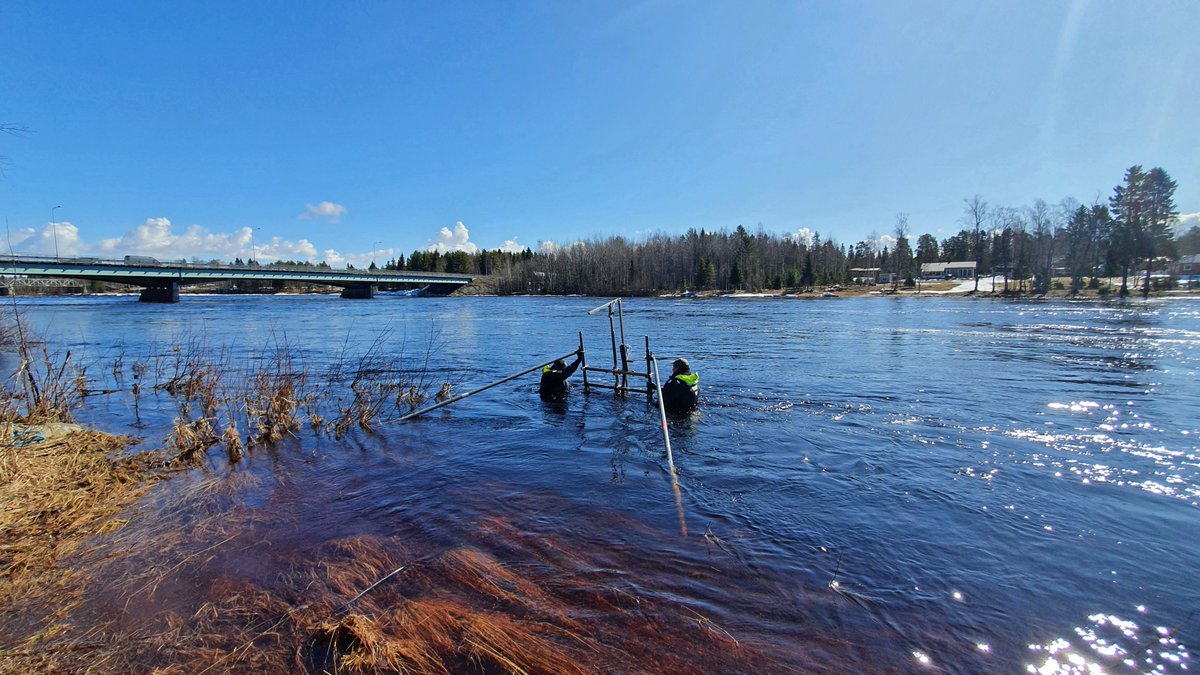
(554, 379)
(681, 393)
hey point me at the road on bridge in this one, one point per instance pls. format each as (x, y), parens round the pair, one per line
(160, 280)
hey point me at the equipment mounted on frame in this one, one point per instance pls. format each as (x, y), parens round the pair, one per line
(620, 351)
(620, 369)
(620, 386)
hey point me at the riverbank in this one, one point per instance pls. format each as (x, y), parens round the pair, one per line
(988, 287)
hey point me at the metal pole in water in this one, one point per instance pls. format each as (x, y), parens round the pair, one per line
(624, 347)
(662, 415)
(460, 397)
(649, 367)
(612, 330)
(613, 334)
(583, 362)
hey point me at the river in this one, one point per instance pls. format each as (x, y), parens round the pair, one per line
(871, 484)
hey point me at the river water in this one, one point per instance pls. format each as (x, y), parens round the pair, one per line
(873, 484)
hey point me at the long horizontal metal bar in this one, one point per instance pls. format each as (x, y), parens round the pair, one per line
(610, 387)
(485, 387)
(610, 371)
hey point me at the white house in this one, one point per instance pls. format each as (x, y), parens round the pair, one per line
(952, 270)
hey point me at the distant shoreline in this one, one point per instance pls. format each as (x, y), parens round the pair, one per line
(989, 287)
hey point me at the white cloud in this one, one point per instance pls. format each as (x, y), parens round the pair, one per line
(1187, 221)
(885, 241)
(158, 238)
(446, 240)
(378, 256)
(61, 238)
(278, 249)
(332, 257)
(511, 246)
(325, 210)
(802, 236)
(549, 247)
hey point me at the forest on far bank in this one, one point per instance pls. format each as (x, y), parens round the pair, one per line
(1129, 237)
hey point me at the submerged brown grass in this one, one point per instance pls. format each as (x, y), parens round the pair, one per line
(367, 604)
(89, 584)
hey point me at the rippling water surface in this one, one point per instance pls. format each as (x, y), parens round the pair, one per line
(870, 484)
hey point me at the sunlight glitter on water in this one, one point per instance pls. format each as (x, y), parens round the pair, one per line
(1165, 475)
(1110, 643)
(1074, 406)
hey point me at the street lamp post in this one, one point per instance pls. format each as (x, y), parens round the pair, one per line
(54, 229)
(253, 250)
(376, 249)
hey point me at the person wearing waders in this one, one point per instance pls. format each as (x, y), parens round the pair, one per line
(554, 379)
(681, 393)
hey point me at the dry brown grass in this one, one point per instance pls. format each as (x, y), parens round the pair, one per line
(55, 494)
(190, 440)
(47, 385)
(275, 396)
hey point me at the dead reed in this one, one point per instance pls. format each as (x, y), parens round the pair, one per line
(277, 389)
(47, 384)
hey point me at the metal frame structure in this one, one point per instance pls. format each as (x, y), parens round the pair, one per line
(620, 352)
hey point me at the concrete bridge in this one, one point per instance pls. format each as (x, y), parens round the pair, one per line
(160, 280)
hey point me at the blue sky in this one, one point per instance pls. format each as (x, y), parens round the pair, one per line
(347, 130)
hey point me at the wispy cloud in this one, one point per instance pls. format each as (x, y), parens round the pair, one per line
(325, 210)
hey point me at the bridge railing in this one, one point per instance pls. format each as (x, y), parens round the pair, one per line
(148, 261)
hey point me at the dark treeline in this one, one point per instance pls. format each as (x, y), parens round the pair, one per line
(1031, 245)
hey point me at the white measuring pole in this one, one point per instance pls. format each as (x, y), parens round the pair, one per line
(662, 415)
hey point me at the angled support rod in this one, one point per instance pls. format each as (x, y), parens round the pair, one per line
(422, 411)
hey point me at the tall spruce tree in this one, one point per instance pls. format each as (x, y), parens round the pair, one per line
(1160, 212)
(1127, 231)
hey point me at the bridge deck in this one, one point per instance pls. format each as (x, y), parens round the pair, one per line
(156, 274)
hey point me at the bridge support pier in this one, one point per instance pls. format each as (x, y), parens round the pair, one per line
(168, 293)
(363, 292)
